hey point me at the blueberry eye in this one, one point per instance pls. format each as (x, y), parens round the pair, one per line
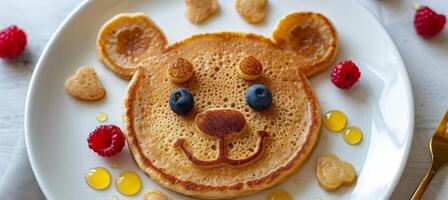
(181, 101)
(258, 97)
(259, 92)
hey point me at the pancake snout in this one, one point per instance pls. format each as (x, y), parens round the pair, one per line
(221, 122)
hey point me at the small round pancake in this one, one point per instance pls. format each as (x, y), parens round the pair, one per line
(253, 11)
(152, 129)
(180, 71)
(125, 39)
(249, 68)
(154, 194)
(312, 36)
(200, 10)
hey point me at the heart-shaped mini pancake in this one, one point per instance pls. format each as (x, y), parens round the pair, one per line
(333, 173)
(85, 84)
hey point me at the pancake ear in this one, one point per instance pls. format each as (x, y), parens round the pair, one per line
(249, 68)
(126, 39)
(311, 36)
(180, 71)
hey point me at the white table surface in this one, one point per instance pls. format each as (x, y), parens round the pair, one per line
(425, 60)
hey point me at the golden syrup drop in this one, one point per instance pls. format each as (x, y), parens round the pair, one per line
(101, 117)
(128, 183)
(353, 135)
(279, 194)
(416, 6)
(98, 178)
(334, 120)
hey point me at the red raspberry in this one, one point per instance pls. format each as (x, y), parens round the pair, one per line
(12, 42)
(428, 23)
(345, 74)
(106, 140)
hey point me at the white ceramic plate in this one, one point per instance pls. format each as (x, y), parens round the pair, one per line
(57, 125)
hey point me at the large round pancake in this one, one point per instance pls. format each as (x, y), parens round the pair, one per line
(151, 128)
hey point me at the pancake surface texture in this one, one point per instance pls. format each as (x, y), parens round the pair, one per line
(152, 129)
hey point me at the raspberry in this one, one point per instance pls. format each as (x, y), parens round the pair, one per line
(12, 42)
(428, 23)
(345, 74)
(106, 140)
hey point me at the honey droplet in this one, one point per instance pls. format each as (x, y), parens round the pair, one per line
(101, 117)
(334, 120)
(128, 183)
(98, 178)
(353, 135)
(279, 194)
(416, 6)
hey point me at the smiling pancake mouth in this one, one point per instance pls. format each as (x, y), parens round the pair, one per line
(222, 123)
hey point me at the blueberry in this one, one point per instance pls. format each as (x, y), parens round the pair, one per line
(258, 97)
(181, 101)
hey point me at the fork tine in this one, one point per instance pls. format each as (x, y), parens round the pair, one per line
(440, 129)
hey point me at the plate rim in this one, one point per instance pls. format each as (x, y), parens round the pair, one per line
(408, 86)
(86, 3)
(33, 80)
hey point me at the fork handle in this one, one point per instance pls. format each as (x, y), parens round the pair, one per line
(425, 182)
